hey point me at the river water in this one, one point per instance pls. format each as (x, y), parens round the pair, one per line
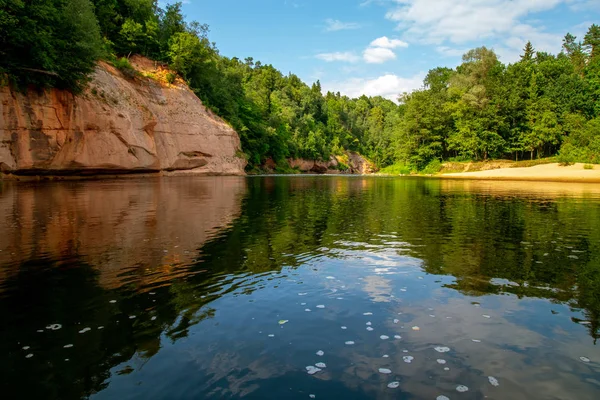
(298, 288)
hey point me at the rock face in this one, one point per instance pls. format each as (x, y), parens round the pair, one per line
(356, 163)
(117, 125)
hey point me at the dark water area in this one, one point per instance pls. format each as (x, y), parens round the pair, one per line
(223, 288)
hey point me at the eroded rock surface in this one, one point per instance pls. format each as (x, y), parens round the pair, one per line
(117, 125)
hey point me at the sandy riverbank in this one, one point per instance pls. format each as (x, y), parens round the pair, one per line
(546, 172)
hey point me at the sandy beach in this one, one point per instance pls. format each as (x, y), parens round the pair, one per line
(546, 172)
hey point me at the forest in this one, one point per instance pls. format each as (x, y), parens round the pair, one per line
(543, 105)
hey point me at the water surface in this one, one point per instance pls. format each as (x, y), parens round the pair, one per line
(191, 288)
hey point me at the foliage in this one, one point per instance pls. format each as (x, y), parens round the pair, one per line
(540, 106)
(396, 169)
(48, 42)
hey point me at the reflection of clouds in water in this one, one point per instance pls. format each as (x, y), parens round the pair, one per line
(378, 288)
(523, 360)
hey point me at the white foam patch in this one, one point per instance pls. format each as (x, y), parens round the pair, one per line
(462, 388)
(442, 397)
(312, 369)
(441, 361)
(307, 309)
(397, 337)
(416, 328)
(408, 359)
(330, 277)
(320, 353)
(385, 356)
(29, 355)
(442, 349)
(368, 323)
(113, 301)
(369, 328)
(320, 365)
(493, 381)
(271, 335)
(54, 327)
(476, 340)
(84, 330)
(584, 359)
(486, 316)
(396, 321)
(67, 346)
(344, 327)
(320, 306)
(368, 313)
(385, 371)
(393, 385)
(349, 342)
(384, 337)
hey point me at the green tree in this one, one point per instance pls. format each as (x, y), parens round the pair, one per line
(48, 42)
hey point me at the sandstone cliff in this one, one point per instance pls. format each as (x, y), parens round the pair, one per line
(350, 163)
(118, 125)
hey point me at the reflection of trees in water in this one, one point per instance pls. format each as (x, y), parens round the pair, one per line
(473, 236)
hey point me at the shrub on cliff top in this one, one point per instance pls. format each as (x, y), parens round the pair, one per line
(48, 43)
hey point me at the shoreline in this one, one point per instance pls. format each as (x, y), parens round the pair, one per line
(554, 172)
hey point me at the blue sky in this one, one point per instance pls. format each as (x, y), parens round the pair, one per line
(384, 47)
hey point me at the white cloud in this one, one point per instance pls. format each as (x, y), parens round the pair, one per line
(389, 86)
(333, 25)
(380, 50)
(460, 21)
(388, 43)
(505, 25)
(346, 56)
(378, 55)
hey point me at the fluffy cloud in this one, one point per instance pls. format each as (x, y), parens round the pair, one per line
(380, 50)
(389, 86)
(460, 21)
(346, 56)
(378, 55)
(447, 23)
(333, 25)
(388, 43)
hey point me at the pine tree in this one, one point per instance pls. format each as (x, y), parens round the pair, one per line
(528, 52)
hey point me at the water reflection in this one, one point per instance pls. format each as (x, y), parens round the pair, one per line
(183, 284)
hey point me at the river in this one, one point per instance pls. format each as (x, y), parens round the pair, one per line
(299, 287)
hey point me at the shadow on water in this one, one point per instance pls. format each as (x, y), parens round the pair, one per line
(171, 270)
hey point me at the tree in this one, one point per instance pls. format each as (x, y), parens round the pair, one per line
(49, 42)
(528, 52)
(591, 42)
(574, 50)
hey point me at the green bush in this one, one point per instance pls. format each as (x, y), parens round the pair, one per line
(433, 167)
(123, 65)
(588, 166)
(396, 169)
(171, 78)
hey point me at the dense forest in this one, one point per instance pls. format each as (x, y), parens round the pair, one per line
(543, 105)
